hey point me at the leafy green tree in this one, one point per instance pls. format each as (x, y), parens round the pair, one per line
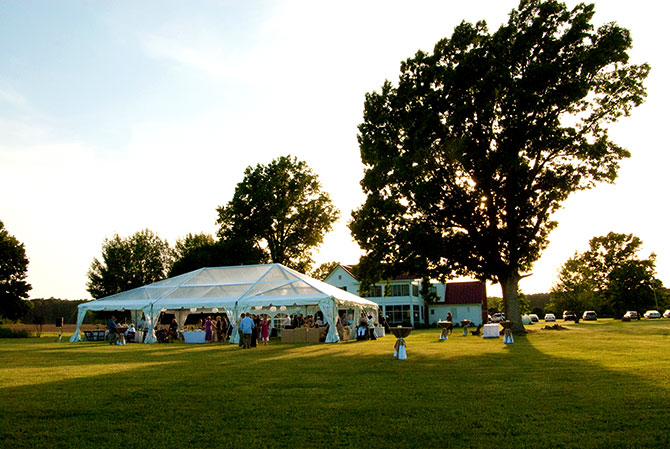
(632, 286)
(13, 272)
(481, 141)
(129, 263)
(197, 251)
(281, 209)
(609, 277)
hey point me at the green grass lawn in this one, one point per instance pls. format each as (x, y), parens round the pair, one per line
(597, 384)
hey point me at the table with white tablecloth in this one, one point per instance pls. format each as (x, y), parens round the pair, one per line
(194, 336)
(491, 331)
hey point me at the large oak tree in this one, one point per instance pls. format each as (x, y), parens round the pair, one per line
(282, 210)
(468, 156)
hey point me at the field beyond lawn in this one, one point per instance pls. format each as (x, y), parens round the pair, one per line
(596, 384)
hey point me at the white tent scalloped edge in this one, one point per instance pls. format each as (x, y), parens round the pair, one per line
(235, 290)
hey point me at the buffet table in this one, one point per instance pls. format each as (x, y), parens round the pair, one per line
(491, 331)
(379, 331)
(303, 335)
(194, 336)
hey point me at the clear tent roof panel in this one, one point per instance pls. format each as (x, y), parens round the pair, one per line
(212, 287)
(228, 275)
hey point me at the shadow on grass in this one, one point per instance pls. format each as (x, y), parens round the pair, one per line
(465, 392)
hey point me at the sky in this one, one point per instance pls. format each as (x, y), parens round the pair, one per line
(117, 116)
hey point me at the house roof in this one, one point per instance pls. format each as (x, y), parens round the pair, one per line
(350, 270)
(473, 292)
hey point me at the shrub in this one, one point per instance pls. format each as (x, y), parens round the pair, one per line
(9, 333)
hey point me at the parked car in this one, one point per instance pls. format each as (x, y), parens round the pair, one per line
(666, 314)
(534, 318)
(549, 317)
(569, 316)
(497, 317)
(649, 314)
(589, 315)
(632, 315)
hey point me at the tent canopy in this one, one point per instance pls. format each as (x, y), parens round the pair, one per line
(233, 289)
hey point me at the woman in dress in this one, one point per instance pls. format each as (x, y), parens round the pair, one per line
(264, 331)
(208, 329)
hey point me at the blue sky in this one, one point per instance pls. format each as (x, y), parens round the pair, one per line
(116, 116)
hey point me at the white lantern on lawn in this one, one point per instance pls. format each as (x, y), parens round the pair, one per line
(273, 309)
(258, 307)
(283, 308)
(215, 310)
(193, 309)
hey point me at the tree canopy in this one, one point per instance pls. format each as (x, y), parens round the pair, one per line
(13, 272)
(196, 251)
(468, 156)
(129, 263)
(281, 210)
(609, 277)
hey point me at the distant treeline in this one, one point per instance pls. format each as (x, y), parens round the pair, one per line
(47, 311)
(537, 303)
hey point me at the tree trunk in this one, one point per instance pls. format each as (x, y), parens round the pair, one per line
(510, 292)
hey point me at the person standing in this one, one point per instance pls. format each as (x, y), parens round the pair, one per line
(218, 332)
(254, 332)
(264, 330)
(208, 329)
(246, 327)
(111, 326)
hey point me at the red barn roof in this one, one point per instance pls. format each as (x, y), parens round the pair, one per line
(465, 293)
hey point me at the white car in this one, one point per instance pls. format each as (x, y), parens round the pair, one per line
(652, 314)
(550, 317)
(666, 314)
(534, 318)
(497, 317)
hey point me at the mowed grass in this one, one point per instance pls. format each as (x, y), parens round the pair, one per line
(597, 384)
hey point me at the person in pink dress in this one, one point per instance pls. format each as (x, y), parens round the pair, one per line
(264, 331)
(208, 329)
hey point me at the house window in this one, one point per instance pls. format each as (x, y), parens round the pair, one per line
(343, 288)
(339, 276)
(432, 311)
(417, 314)
(374, 291)
(400, 290)
(415, 291)
(398, 314)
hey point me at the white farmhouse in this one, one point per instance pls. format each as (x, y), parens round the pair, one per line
(400, 300)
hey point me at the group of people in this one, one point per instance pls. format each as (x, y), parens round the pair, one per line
(365, 330)
(251, 329)
(119, 338)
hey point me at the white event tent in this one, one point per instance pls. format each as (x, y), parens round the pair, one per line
(264, 289)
